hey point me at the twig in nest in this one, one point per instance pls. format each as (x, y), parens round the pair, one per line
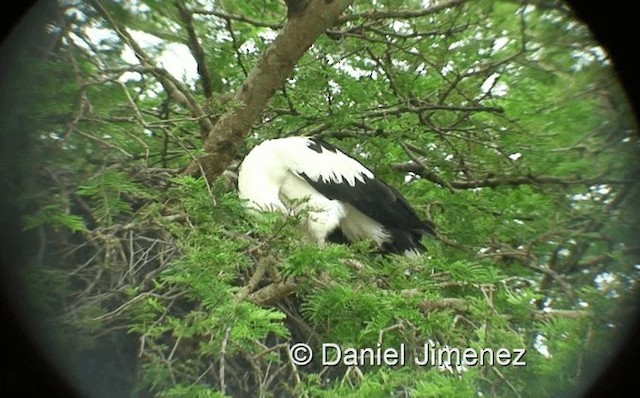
(223, 351)
(255, 278)
(294, 368)
(445, 303)
(398, 325)
(273, 292)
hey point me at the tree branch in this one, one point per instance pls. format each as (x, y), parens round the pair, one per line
(239, 18)
(403, 14)
(173, 87)
(196, 49)
(271, 71)
(272, 293)
(492, 182)
(545, 315)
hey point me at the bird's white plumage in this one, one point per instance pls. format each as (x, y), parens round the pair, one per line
(327, 166)
(332, 191)
(270, 179)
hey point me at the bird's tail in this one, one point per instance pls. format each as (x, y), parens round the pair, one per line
(407, 241)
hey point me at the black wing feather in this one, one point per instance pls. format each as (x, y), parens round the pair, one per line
(375, 199)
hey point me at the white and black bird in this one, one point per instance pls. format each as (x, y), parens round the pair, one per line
(340, 199)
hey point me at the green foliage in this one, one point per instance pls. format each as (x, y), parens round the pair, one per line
(500, 122)
(109, 191)
(196, 391)
(54, 215)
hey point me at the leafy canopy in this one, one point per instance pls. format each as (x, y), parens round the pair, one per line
(500, 121)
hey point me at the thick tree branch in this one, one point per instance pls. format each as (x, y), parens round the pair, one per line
(403, 14)
(492, 182)
(418, 107)
(272, 70)
(239, 18)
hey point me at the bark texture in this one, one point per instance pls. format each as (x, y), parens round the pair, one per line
(249, 101)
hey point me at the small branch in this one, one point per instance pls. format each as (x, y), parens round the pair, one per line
(416, 166)
(239, 18)
(294, 369)
(431, 176)
(545, 315)
(263, 264)
(223, 351)
(404, 35)
(236, 47)
(272, 293)
(419, 107)
(391, 328)
(402, 14)
(174, 88)
(120, 309)
(267, 76)
(508, 383)
(443, 304)
(196, 49)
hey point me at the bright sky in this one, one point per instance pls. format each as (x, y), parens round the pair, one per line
(175, 58)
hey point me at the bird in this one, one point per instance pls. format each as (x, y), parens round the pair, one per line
(338, 199)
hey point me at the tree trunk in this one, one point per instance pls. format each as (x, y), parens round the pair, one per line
(299, 33)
